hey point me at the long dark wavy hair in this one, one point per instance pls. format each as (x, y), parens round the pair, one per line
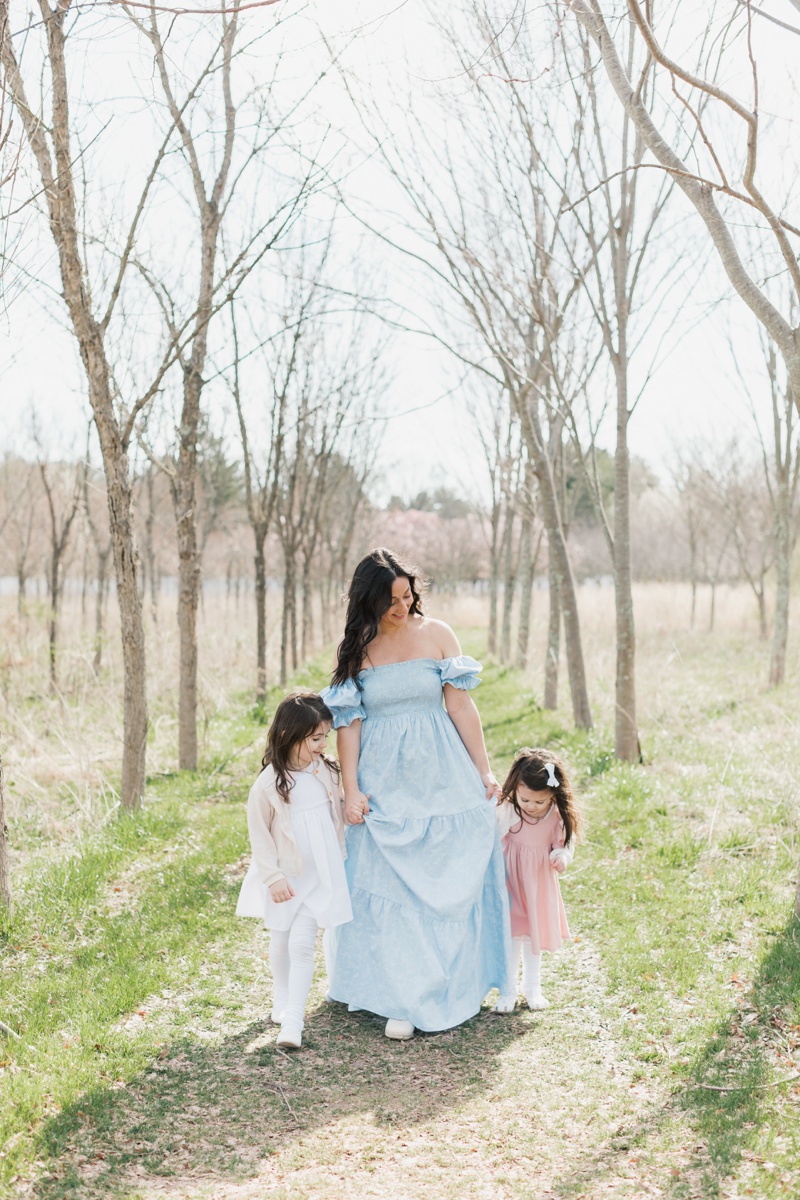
(369, 597)
(297, 716)
(530, 769)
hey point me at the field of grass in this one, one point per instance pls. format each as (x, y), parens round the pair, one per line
(668, 1064)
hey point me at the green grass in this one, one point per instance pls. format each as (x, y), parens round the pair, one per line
(144, 1064)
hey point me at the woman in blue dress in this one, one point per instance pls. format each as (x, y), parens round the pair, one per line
(429, 935)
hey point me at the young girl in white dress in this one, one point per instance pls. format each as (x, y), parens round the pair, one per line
(296, 880)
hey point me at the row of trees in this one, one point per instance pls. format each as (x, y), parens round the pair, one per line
(541, 203)
(206, 278)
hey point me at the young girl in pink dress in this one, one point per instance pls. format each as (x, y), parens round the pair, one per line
(540, 822)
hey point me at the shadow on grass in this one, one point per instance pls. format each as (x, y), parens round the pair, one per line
(207, 1113)
(740, 1056)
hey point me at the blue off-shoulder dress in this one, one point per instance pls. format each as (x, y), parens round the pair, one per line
(429, 935)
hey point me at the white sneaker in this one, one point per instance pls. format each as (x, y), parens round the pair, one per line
(400, 1031)
(537, 1002)
(504, 1004)
(276, 1017)
(290, 1036)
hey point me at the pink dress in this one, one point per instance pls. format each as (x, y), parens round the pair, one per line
(537, 910)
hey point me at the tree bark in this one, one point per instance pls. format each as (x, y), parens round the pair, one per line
(553, 651)
(184, 491)
(261, 615)
(560, 565)
(102, 565)
(509, 582)
(626, 734)
(529, 556)
(783, 561)
(494, 573)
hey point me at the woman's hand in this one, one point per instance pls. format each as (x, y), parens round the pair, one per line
(493, 789)
(356, 807)
(281, 891)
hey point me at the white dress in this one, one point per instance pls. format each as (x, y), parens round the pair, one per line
(321, 890)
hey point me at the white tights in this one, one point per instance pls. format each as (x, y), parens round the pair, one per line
(531, 975)
(291, 960)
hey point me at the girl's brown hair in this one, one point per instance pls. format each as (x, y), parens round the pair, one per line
(530, 769)
(297, 716)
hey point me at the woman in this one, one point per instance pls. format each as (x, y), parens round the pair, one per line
(429, 936)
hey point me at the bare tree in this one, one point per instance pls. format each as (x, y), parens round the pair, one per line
(714, 179)
(103, 545)
(500, 258)
(216, 175)
(261, 488)
(51, 137)
(61, 512)
(617, 217)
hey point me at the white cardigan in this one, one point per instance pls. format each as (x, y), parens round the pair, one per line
(274, 849)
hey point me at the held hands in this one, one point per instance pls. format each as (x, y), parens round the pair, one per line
(493, 789)
(356, 807)
(280, 891)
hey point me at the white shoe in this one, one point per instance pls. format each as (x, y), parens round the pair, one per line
(291, 1036)
(400, 1031)
(537, 1002)
(276, 1017)
(504, 1004)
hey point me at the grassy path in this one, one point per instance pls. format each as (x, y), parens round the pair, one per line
(145, 1067)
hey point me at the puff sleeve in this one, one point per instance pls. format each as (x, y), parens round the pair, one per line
(461, 672)
(344, 701)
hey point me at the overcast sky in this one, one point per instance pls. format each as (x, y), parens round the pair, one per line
(694, 389)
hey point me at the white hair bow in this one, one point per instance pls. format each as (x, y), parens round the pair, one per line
(552, 779)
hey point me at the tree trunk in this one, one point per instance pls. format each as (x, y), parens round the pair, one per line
(509, 581)
(783, 562)
(22, 580)
(261, 617)
(307, 616)
(53, 628)
(553, 652)
(286, 615)
(761, 597)
(560, 566)
(626, 734)
(713, 609)
(102, 564)
(530, 555)
(494, 571)
(149, 549)
(184, 493)
(5, 866)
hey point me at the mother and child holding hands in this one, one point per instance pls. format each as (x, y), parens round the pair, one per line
(430, 880)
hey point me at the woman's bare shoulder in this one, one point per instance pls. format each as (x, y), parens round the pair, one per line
(440, 637)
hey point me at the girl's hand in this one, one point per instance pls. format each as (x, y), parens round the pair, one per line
(493, 789)
(558, 860)
(356, 807)
(281, 891)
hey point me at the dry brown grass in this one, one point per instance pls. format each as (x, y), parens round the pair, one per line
(62, 750)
